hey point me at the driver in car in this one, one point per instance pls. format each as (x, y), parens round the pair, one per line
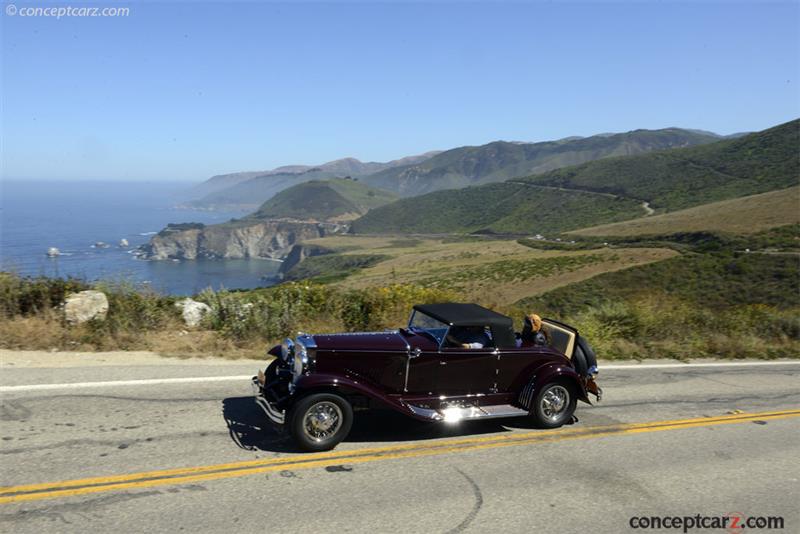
(468, 337)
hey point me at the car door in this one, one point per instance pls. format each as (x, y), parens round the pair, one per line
(421, 374)
(517, 366)
(466, 371)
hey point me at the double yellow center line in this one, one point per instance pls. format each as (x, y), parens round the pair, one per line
(70, 488)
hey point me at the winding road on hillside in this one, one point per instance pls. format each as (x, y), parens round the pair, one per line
(149, 445)
(645, 204)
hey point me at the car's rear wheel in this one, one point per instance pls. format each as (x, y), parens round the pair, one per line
(554, 405)
(320, 421)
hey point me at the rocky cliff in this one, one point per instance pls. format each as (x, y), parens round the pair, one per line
(272, 239)
(300, 252)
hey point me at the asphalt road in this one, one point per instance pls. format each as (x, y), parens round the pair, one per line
(197, 456)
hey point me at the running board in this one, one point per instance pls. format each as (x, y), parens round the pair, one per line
(457, 413)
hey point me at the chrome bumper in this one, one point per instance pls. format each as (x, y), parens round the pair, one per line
(274, 414)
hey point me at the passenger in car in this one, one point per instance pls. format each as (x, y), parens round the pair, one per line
(468, 337)
(532, 333)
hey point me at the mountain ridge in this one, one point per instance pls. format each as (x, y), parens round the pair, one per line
(449, 169)
(602, 191)
(205, 194)
(501, 160)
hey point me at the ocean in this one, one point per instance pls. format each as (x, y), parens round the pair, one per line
(74, 216)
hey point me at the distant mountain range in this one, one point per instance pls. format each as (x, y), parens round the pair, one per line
(451, 169)
(249, 189)
(501, 160)
(675, 179)
(603, 191)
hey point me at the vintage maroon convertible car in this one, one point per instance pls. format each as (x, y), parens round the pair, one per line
(315, 382)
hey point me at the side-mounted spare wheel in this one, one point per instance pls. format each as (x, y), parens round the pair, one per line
(320, 421)
(554, 405)
(584, 358)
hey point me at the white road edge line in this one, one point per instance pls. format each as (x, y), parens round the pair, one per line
(244, 378)
(692, 365)
(122, 383)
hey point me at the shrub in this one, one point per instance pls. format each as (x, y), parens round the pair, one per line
(266, 314)
(376, 308)
(28, 296)
(134, 310)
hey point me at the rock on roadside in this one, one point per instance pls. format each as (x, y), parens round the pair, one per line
(193, 311)
(85, 306)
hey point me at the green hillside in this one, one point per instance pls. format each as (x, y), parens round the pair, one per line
(323, 200)
(729, 305)
(500, 160)
(676, 179)
(603, 191)
(713, 281)
(499, 208)
(329, 268)
(252, 192)
(743, 215)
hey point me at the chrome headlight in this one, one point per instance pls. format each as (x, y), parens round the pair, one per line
(287, 351)
(300, 363)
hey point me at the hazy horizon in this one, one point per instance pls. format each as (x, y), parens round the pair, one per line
(195, 180)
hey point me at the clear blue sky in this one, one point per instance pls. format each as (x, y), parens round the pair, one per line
(187, 90)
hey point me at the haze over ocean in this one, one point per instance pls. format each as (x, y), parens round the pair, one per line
(73, 216)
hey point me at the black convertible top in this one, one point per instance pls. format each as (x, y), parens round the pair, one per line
(456, 314)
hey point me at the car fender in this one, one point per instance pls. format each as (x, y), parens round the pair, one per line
(550, 373)
(347, 385)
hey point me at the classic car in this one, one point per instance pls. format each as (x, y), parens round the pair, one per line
(424, 371)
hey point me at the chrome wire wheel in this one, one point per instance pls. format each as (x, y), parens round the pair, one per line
(322, 420)
(554, 403)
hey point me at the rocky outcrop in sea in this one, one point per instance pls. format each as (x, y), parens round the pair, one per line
(245, 238)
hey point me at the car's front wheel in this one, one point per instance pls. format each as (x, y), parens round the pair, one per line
(554, 405)
(320, 421)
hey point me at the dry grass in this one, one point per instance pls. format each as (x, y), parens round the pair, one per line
(39, 333)
(48, 332)
(189, 343)
(744, 215)
(481, 270)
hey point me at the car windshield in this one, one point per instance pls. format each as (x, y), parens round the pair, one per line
(421, 322)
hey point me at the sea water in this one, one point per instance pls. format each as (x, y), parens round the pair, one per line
(74, 216)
